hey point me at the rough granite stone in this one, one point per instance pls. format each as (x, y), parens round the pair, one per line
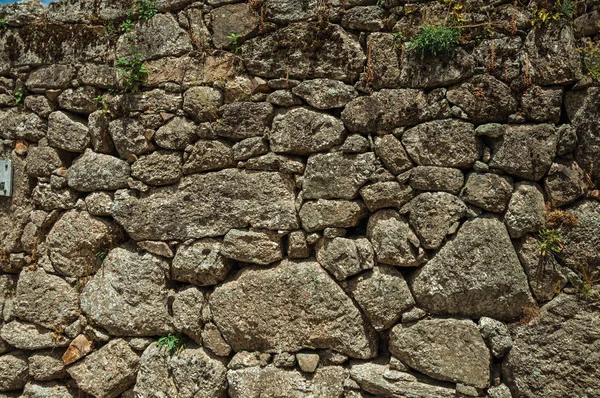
(325, 93)
(177, 134)
(556, 356)
(13, 371)
(68, 132)
(191, 373)
(496, 335)
(75, 241)
(107, 372)
(382, 294)
(565, 183)
(257, 247)
(285, 308)
(200, 263)
(344, 257)
(488, 191)
(526, 210)
(393, 240)
(158, 168)
(187, 312)
(444, 349)
(244, 119)
(386, 194)
(476, 274)
(209, 204)
(391, 152)
(202, 103)
(432, 178)
(300, 131)
(445, 143)
(129, 297)
(129, 137)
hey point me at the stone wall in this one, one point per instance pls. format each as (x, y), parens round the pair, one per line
(312, 207)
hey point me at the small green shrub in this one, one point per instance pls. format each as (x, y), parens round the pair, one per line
(565, 8)
(101, 254)
(19, 95)
(101, 103)
(173, 343)
(434, 40)
(235, 42)
(126, 26)
(549, 240)
(146, 9)
(133, 71)
(3, 25)
(590, 60)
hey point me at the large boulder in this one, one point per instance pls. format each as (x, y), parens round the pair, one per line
(286, 308)
(45, 299)
(382, 381)
(382, 294)
(445, 143)
(336, 176)
(98, 172)
(526, 151)
(77, 240)
(386, 110)
(557, 355)
(444, 349)
(318, 50)
(301, 131)
(209, 204)
(476, 274)
(190, 373)
(107, 372)
(273, 382)
(129, 297)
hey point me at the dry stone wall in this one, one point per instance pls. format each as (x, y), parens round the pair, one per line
(311, 205)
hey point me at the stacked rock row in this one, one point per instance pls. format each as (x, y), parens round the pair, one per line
(308, 205)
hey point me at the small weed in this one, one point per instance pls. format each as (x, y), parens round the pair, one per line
(110, 28)
(133, 71)
(558, 217)
(542, 16)
(126, 26)
(434, 40)
(235, 42)
(101, 103)
(3, 25)
(530, 313)
(549, 241)
(146, 9)
(19, 95)
(565, 8)
(585, 280)
(101, 255)
(172, 343)
(590, 60)
(398, 36)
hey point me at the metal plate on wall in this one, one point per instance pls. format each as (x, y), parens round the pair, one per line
(6, 177)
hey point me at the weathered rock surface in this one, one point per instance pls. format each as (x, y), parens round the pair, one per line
(129, 297)
(42, 161)
(47, 365)
(444, 349)
(209, 205)
(389, 109)
(13, 371)
(380, 380)
(325, 93)
(176, 135)
(543, 104)
(489, 191)
(75, 241)
(393, 240)
(322, 214)
(239, 19)
(433, 215)
(345, 257)
(29, 336)
(335, 176)
(251, 315)
(300, 131)
(48, 390)
(45, 299)
(556, 356)
(191, 373)
(476, 274)
(67, 132)
(187, 311)
(526, 210)
(445, 143)
(582, 240)
(200, 263)
(255, 247)
(565, 183)
(432, 178)
(158, 168)
(129, 137)
(496, 336)
(391, 152)
(386, 194)
(245, 119)
(382, 294)
(208, 155)
(312, 57)
(526, 151)
(15, 123)
(250, 382)
(107, 372)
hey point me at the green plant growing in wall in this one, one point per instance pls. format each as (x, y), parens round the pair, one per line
(19, 95)
(3, 25)
(235, 42)
(590, 60)
(172, 343)
(101, 103)
(565, 8)
(146, 9)
(133, 71)
(126, 26)
(549, 241)
(433, 40)
(101, 255)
